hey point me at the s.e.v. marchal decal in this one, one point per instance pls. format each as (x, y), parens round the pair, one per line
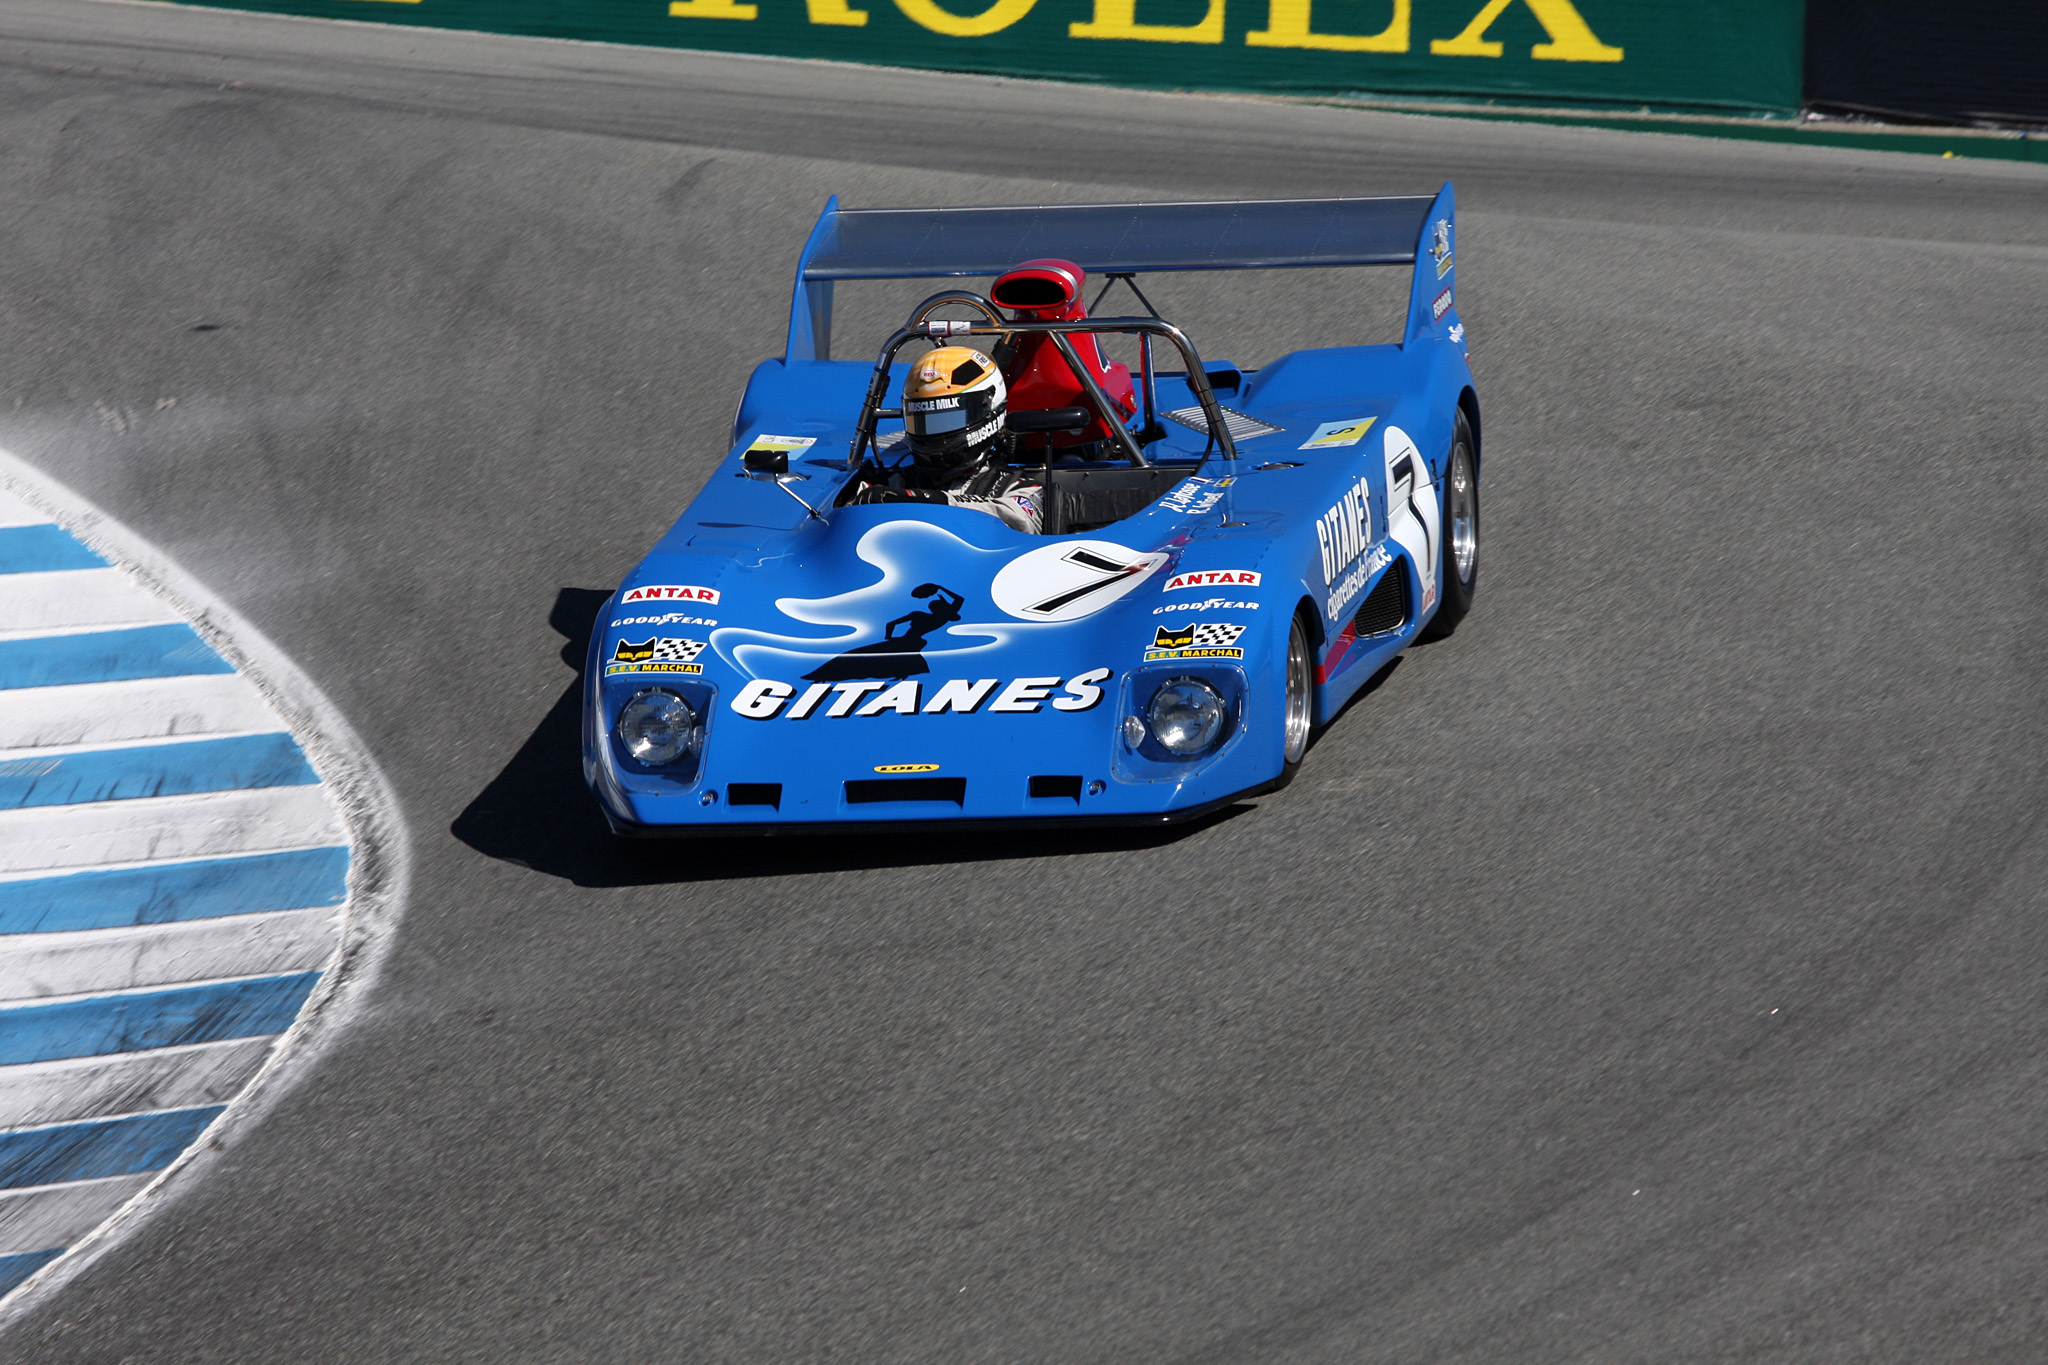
(655, 656)
(769, 699)
(1206, 640)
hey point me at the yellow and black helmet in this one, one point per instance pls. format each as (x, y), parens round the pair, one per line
(953, 404)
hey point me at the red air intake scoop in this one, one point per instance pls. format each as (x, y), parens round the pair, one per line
(1050, 291)
(1042, 291)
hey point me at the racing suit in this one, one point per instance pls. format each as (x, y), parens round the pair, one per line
(998, 492)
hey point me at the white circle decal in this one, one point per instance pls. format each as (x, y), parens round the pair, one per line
(1072, 579)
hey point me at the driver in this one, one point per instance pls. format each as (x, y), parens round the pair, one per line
(954, 401)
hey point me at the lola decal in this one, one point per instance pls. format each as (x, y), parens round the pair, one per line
(669, 592)
(655, 656)
(1440, 305)
(768, 699)
(1213, 578)
(1212, 604)
(1413, 518)
(1440, 246)
(1207, 640)
(1346, 433)
(906, 767)
(1070, 580)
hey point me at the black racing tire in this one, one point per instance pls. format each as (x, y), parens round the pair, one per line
(1298, 697)
(1457, 573)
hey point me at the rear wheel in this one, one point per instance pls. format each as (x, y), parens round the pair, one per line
(1457, 572)
(1299, 715)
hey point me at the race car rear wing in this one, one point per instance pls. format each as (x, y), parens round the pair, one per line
(1104, 239)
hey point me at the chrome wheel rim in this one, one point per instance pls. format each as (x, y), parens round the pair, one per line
(1300, 693)
(1464, 499)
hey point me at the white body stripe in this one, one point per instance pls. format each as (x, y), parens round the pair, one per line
(33, 966)
(39, 1218)
(141, 709)
(128, 1082)
(65, 601)
(51, 839)
(15, 512)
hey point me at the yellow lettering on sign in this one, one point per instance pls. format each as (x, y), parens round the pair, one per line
(1287, 25)
(1119, 19)
(836, 12)
(711, 9)
(994, 19)
(1570, 39)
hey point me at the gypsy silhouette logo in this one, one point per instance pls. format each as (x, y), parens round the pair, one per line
(900, 651)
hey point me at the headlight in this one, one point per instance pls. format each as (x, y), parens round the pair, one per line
(1186, 716)
(657, 727)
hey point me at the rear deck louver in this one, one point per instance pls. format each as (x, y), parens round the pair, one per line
(1385, 608)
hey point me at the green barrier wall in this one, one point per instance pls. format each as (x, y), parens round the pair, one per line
(1740, 55)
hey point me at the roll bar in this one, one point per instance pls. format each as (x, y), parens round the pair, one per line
(921, 327)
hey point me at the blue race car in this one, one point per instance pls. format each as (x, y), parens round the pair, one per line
(1215, 559)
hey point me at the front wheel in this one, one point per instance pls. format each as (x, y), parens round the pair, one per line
(1298, 718)
(1457, 572)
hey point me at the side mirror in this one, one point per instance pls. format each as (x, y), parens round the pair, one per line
(1049, 419)
(763, 463)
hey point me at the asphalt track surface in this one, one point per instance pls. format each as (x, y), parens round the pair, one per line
(1653, 971)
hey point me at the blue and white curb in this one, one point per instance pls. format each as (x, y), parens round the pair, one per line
(199, 869)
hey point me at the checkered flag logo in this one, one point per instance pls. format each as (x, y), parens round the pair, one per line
(679, 651)
(1217, 636)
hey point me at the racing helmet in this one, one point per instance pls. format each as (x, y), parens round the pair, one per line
(953, 405)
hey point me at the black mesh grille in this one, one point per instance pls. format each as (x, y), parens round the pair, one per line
(1385, 608)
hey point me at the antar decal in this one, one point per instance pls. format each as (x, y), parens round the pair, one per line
(669, 592)
(1213, 578)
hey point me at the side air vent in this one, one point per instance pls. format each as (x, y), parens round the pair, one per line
(1385, 608)
(872, 789)
(754, 794)
(1056, 786)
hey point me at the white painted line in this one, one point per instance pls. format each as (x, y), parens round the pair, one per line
(139, 709)
(41, 1093)
(46, 1216)
(66, 601)
(90, 961)
(52, 839)
(15, 512)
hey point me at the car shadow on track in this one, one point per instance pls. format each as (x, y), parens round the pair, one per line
(536, 813)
